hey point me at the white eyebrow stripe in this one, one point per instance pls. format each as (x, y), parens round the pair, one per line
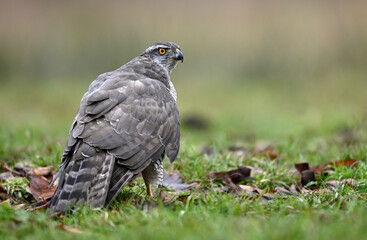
(156, 47)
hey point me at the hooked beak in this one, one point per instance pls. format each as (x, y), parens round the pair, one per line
(179, 56)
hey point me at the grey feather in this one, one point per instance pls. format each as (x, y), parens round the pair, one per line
(127, 121)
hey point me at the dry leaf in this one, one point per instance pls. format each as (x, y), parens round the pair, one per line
(37, 186)
(349, 182)
(216, 175)
(183, 198)
(40, 205)
(307, 177)
(233, 177)
(322, 169)
(6, 176)
(239, 175)
(42, 171)
(19, 206)
(283, 191)
(166, 198)
(7, 173)
(69, 229)
(302, 167)
(250, 189)
(265, 149)
(22, 169)
(4, 195)
(305, 191)
(294, 189)
(351, 163)
(7, 201)
(57, 216)
(270, 191)
(309, 174)
(5, 167)
(173, 181)
(47, 193)
(339, 183)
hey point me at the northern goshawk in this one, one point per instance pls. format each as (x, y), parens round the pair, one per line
(127, 122)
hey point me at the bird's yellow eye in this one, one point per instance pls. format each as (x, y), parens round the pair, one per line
(162, 51)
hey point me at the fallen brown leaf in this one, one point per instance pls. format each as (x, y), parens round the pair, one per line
(265, 149)
(5, 167)
(294, 189)
(7, 201)
(315, 192)
(42, 171)
(305, 191)
(231, 186)
(173, 181)
(216, 175)
(351, 163)
(4, 195)
(307, 176)
(166, 198)
(57, 216)
(19, 206)
(47, 193)
(283, 191)
(250, 189)
(37, 186)
(339, 183)
(271, 191)
(322, 169)
(6, 176)
(22, 168)
(69, 229)
(241, 175)
(40, 205)
(183, 198)
(302, 167)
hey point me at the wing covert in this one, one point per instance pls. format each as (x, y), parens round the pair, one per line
(132, 119)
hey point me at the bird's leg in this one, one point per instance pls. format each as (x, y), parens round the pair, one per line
(149, 189)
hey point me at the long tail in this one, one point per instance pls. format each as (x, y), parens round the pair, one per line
(83, 181)
(120, 177)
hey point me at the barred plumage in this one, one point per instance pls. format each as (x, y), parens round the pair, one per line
(127, 122)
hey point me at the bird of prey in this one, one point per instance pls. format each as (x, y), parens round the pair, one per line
(127, 122)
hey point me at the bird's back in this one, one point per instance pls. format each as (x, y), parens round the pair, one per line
(127, 120)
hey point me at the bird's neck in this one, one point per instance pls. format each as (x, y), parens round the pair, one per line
(147, 67)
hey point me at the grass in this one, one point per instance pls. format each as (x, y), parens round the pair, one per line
(206, 214)
(291, 75)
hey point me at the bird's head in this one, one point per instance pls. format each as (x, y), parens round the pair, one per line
(165, 54)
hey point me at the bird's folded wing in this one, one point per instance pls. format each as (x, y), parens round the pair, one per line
(133, 117)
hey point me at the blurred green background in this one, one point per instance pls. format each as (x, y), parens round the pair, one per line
(267, 68)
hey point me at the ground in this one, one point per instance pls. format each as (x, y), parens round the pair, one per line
(286, 78)
(235, 121)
